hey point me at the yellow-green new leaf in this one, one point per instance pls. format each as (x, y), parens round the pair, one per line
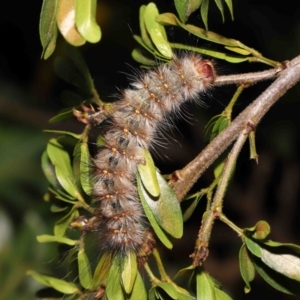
(205, 286)
(45, 238)
(48, 27)
(170, 19)
(102, 269)
(85, 18)
(114, 289)
(166, 208)
(169, 289)
(220, 295)
(138, 290)
(58, 284)
(129, 271)
(157, 31)
(157, 229)
(148, 174)
(66, 22)
(144, 34)
(84, 270)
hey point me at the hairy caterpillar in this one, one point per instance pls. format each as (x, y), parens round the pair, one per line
(128, 128)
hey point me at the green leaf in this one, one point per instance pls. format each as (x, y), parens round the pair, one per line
(65, 17)
(284, 263)
(287, 245)
(64, 114)
(148, 174)
(220, 295)
(45, 238)
(49, 170)
(114, 289)
(82, 69)
(61, 195)
(238, 50)
(275, 279)
(58, 284)
(61, 225)
(61, 160)
(84, 270)
(189, 211)
(253, 247)
(204, 12)
(138, 290)
(188, 271)
(129, 272)
(170, 19)
(166, 208)
(72, 134)
(159, 232)
(186, 7)
(205, 286)
(146, 40)
(219, 4)
(156, 31)
(85, 165)
(85, 18)
(169, 289)
(142, 59)
(229, 4)
(246, 267)
(57, 209)
(102, 269)
(48, 27)
(259, 231)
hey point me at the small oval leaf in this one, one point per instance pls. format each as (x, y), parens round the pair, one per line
(114, 289)
(169, 289)
(102, 269)
(205, 286)
(48, 27)
(129, 271)
(85, 18)
(84, 270)
(157, 31)
(58, 284)
(138, 290)
(61, 160)
(66, 22)
(246, 268)
(159, 232)
(148, 174)
(253, 247)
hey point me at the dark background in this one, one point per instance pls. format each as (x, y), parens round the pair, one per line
(30, 96)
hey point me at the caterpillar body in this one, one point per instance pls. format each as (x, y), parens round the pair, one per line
(127, 130)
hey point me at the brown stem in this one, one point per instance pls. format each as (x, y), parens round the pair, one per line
(185, 178)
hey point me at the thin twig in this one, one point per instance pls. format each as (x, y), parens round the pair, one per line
(216, 206)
